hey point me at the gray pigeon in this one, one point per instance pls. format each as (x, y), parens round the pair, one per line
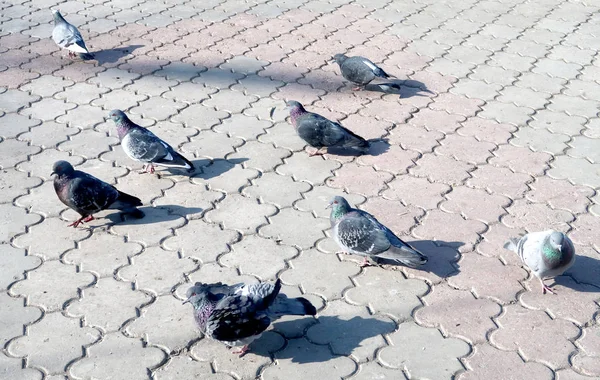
(359, 70)
(320, 132)
(142, 145)
(547, 253)
(238, 314)
(358, 232)
(87, 194)
(68, 37)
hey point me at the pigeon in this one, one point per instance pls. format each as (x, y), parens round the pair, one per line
(87, 194)
(320, 132)
(359, 70)
(68, 37)
(238, 314)
(358, 232)
(546, 253)
(142, 145)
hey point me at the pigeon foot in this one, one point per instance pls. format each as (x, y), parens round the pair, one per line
(365, 263)
(242, 351)
(316, 153)
(357, 88)
(77, 222)
(546, 288)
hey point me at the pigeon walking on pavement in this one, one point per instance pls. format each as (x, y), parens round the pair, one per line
(68, 37)
(238, 314)
(546, 253)
(142, 145)
(88, 195)
(359, 70)
(320, 132)
(358, 232)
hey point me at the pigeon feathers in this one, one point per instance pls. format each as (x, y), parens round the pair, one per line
(142, 145)
(238, 314)
(68, 37)
(358, 232)
(547, 253)
(359, 70)
(88, 195)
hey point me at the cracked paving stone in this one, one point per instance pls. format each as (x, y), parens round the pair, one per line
(536, 217)
(278, 228)
(482, 275)
(177, 325)
(12, 368)
(184, 367)
(488, 362)
(329, 279)
(108, 304)
(363, 180)
(188, 199)
(350, 330)
(240, 213)
(267, 257)
(155, 226)
(475, 204)
(313, 170)
(14, 316)
(101, 362)
(200, 240)
(386, 291)
(157, 270)
(45, 344)
(536, 336)
(242, 126)
(319, 197)
(414, 346)
(458, 313)
(257, 155)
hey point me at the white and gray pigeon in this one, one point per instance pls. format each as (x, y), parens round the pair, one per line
(88, 195)
(546, 253)
(142, 145)
(238, 314)
(320, 132)
(358, 232)
(359, 70)
(68, 37)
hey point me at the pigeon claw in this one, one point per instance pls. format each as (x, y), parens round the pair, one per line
(242, 351)
(546, 288)
(365, 263)
(357, 88)
(316, 153)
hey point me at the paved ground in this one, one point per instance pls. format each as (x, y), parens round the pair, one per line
(495, 133)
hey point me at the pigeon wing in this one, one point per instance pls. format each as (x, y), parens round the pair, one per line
(87, 194)
(237, 317)
(361, 234)
(145, 146)
(67, 36)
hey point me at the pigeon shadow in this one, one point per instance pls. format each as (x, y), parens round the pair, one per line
(404, 88)
(585, 272)
(342, 336)
(113, 55)
(442, 257)
(158, 214)
(377, 147)
(207, 168)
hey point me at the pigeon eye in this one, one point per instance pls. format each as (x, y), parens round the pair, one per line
(335, 202)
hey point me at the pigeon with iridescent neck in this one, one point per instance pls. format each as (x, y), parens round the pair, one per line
(68, 37)
(142, 145)
(358, 232)
(238, 314)
(320, 132)
(359, 70)
(547, 253)
(88, 195)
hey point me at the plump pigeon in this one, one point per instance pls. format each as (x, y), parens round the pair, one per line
(320, 132)
(238, 314)
(87, 194)
(359, 70)
(68, 37)
(547, 253)
(358, 232)
(142, 145)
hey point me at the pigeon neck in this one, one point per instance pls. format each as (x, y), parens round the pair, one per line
(295, 113)
(551, 254)
(123, 127)
(337, 212)
(58, 18)
(203, 311)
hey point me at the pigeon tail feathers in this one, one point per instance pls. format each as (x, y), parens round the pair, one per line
(86, 56)
(404, 255)
(291, 306)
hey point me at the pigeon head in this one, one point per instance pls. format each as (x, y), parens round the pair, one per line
(554, 245)
(117, 116)
(294, 105)
(57, 16)
(339, 207)
(340, 58)
(62, 168)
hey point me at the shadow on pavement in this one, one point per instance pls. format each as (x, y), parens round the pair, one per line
(113, 55)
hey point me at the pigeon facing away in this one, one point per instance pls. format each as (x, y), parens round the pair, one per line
(358, 232)
(547, 253)
(359, 70)
(68, 37)
(87, 194)
(320, 132)
(142, 145)
(238, 314)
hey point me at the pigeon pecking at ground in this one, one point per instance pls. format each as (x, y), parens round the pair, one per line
(238, 314)
(88, 195)
(320, 132)
(547, 253)
(359, 70)
(68, 37)
(358, 232)
(142, 145)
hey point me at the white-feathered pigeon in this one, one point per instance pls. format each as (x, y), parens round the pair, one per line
(547, 253)
(142, 145)
(320, 132)
(68, 37)
(88, 195)
(358, 232)
(359, 70)
(238, 314)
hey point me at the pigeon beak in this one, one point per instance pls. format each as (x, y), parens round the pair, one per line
(186, 301)
(53, 173)
(329, 205)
